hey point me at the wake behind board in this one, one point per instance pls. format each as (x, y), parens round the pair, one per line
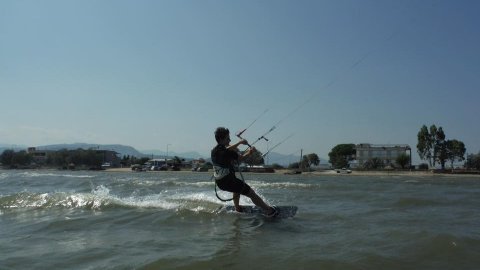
(284, 211)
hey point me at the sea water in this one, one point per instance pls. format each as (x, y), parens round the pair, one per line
(170, 220)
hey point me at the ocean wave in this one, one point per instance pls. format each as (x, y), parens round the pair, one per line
(37, 174)
(170, 183)
(196, 184)
(299, 185)
(281, 185)
(26, 200)
(199, 197)
(101, 199)
(151, 201)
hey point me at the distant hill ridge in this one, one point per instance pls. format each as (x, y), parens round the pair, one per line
(123, 150)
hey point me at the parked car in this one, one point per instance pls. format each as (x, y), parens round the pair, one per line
(344, 170)
(136, 167)
(106, 165)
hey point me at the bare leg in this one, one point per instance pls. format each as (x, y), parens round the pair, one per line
(236, 201)
(259, 202)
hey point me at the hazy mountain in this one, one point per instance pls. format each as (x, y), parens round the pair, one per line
(2, 145)
(281, 159)
(188, 155)
(123, 150)
(14, 147)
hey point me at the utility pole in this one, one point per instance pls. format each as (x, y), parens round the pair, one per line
(301, 158)
(268, 146)
(166, 160)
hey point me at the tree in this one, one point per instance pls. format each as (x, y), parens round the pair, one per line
(143, 160)
(423, 166)
(208, 165)
(22, 158)
(126, 161)
(255, 158)
(277, 166)
(341, 154)
(440, 147)
(79, 157)
(12, 158)
(432, 140)
(294, 165)
(455, 151)
(177, 160)
(425, 144)
(309, 160)
(473, 161)
(373, 163)
(402, 160)
(58, 158)
(313, 159)
(432, 145)
(93, 159)
(7, 157)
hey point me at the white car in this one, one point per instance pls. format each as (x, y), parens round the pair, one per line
(344, 170)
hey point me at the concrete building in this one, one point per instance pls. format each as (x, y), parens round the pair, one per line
(388, 153)
(39, 156)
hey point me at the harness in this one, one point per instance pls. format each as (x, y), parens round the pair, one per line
(221, 172)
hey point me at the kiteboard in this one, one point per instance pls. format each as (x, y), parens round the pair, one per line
(284, 211)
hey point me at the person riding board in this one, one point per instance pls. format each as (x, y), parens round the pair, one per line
(223, 157)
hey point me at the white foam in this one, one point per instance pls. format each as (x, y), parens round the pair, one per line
(101, 191)
(280, 184)
(197, 197)
(150, 201)
(36, 174)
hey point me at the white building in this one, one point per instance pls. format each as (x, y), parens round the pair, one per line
(388, 153)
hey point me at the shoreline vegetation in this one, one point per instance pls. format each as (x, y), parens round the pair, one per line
(333, 172)
(350, 158)
(285, 171)
(324, 172)
(107, 161)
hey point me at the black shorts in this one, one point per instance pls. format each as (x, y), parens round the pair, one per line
(232, 184)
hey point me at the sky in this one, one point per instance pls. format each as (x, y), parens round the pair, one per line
(158, 74)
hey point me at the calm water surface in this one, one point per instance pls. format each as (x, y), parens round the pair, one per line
(170, 220)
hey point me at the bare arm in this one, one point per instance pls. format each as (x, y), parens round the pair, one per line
(235, 145)
(247, 153)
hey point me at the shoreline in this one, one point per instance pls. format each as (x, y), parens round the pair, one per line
(328, 172)
(287, 171)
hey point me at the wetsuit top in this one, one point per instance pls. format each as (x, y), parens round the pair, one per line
(222, 159)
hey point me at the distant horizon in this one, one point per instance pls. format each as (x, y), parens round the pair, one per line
(154, 152)
(158, 152)
(2, 145)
